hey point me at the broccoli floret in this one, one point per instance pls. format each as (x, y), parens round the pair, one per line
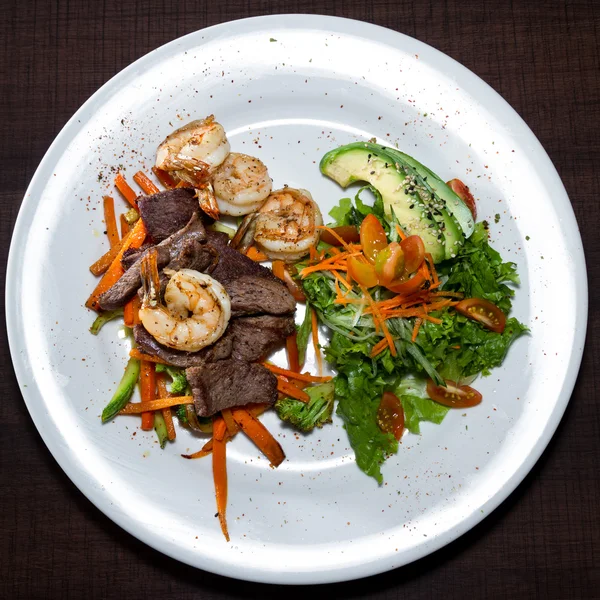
(182, 414)
(305, 416)
(179, 383)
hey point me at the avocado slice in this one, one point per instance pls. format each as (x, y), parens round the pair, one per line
(453, 204)
(400, 190)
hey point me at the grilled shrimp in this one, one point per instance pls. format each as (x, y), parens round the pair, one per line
(196, 308)
(286, 224)
(194, 151)
(241, 184)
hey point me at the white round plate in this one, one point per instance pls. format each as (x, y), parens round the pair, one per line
(287, 89)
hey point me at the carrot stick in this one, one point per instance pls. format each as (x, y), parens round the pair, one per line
(416, 329)
(110, 220)
(260, 435)
(102, 264)
(161, 386)
(256, 255)
(134, 239)
(291, 348)
(145, 183)
(220, 471)
(125, 190)
(135, 353)
(135, 408)
(315, 340)
(232, 427)
(124, 226)
(164, 178)
(199, 454)
(128, 314)
(148, 392)
(285, 387)
(299, 376)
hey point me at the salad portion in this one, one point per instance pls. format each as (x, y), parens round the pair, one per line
(411, 295)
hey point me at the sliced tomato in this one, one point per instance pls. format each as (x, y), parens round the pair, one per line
(348, 233)
(462, 191)
(453, 395)
(390, 415)
(362, 273)
(414, 253)
(408, 286)
(389, 263)
(485, 312)
(372, 237)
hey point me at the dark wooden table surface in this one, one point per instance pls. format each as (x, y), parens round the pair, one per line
(543, 57)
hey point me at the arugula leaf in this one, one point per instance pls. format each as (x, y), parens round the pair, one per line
(345, 213)
(342, 213)
(303, 333)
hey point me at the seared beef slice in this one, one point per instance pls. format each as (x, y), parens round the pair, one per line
(254, 337)
(251, 295)
(167, 212)
(230, 383)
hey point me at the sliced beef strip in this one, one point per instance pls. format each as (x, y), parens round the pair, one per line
(220, 350)
(246, 338)
(230, 383)
(250, 295)
(167, 212)
(255, 337)
(168, 250)
(217, 239)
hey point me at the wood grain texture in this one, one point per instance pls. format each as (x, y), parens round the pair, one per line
(543, 57)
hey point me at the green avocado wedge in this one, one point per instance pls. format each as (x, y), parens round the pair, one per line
(413, 197)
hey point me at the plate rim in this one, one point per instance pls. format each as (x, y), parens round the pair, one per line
(345, 573)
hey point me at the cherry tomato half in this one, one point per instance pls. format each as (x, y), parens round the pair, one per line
(414, 253)
(462, 191)
(389, 263)
(362, 273)
(349, 233)
(407, 287)
(390, 415)
(453, 395)
(372, 237)
(485, 312)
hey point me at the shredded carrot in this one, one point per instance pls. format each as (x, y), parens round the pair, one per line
(342, 280)
(220, 471)
(293, 356)
(315, 339)
(299, 376)
(135, 408)
(256, 255)
(161, 386)
(135, 353)
(448, 293)
(416, 328)
(147, 392)
(431, 319)
(134, 239)
(379, 347)
(164, 177)
(400, 232)
(260, 435)
(455, 347)
(145, 183)
(288, 389)
(232, 427)
(111, 221)
(125, 190)
(334, 262)
(124, 226)
(336, 236)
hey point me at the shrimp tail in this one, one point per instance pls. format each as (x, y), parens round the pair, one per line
(207, 200)
(150, 278)
(244, 236)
